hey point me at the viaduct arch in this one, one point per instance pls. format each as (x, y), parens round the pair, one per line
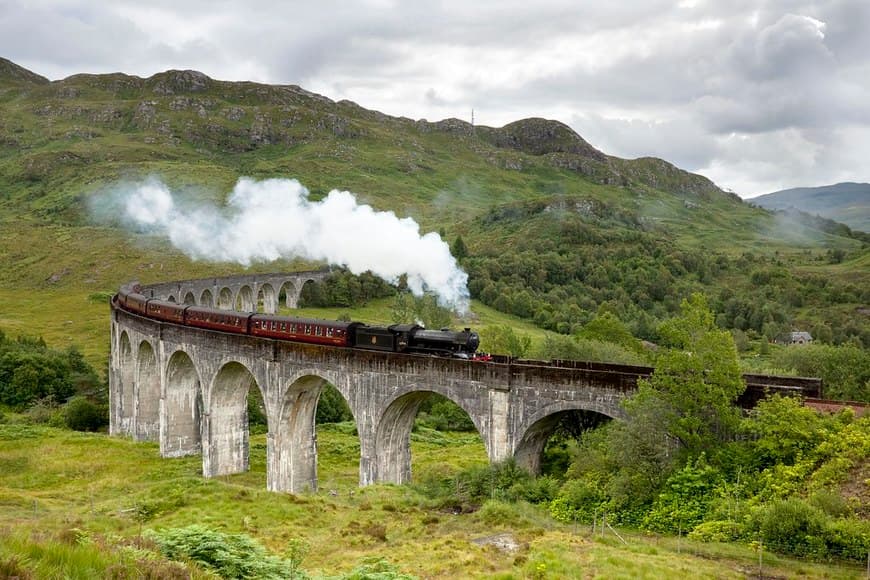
(187, 388)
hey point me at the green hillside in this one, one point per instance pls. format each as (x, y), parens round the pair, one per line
(554, 228)
(848, 203)
(571, 253)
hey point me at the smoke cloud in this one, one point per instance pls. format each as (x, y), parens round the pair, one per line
(271, 219)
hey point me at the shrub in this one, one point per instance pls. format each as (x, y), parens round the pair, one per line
(477, 484)
(375, 568)
(831, 503)
(848, 539)
(494, 512)
(80, 414)
(783, 430)
(542, 489)
(491, 481)
(684, 499)
(579, 500)
(792, 526)
(845, 369)
(228, 555)
(717, 531)
(44, 411)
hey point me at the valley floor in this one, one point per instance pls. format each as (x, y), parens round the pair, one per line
(104, 491)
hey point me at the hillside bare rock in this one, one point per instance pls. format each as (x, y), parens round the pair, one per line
(178, 107)
(537, 136)
(11, 72)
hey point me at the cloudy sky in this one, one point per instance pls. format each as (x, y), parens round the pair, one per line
(758, 95)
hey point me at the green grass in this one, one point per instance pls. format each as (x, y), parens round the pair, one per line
(56, 484)
(57, 264)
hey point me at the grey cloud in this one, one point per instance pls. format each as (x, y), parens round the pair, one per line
(744, 89)
(792, 46)
(679, 141)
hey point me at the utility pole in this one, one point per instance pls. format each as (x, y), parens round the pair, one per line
(472, 122)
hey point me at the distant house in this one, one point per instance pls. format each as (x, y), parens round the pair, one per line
(800, 337)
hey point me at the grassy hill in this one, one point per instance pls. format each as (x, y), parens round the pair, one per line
(533, 187)
(555, 230)
(848, 203)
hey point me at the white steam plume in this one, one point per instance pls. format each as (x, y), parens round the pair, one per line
(271, 219)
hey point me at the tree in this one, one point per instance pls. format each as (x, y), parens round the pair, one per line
(459, 249)
(431, 314)
(402, 310)
(80, 414)
(331, 407)
(503, 339)
(607, 327)
(697, 378)
(782, 430)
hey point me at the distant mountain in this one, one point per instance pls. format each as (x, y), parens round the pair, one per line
(847, 203)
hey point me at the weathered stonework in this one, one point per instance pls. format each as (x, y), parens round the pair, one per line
(187, 388)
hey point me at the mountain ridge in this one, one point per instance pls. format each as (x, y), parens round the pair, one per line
(9, 71)
(846, 202)
(553, 141)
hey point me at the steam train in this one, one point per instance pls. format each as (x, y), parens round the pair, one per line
(402, 338)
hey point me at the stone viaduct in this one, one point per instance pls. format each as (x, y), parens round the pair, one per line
(187, 388)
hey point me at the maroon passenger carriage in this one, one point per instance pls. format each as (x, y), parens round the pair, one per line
(331, 332)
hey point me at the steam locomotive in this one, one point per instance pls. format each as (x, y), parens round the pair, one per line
(403, 338)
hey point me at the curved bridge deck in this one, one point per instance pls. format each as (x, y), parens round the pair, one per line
(187, 388)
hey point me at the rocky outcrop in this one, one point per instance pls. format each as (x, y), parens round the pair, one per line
(539, 137)
(660, 174)
(179, 106)
(174, 82)
(11, 72)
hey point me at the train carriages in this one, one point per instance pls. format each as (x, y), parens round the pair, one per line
(329, 332)
(166, 311)
(134, 302)
(223, 320)
(400, 338)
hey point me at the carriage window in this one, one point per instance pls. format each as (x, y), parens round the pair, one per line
(329, 332)
(283, 326)
(318, 331)
(307, 329)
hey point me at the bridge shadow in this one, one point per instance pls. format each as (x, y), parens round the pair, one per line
(545, 447)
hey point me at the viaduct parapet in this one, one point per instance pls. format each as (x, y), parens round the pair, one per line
(187, 388)
(257, 292)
